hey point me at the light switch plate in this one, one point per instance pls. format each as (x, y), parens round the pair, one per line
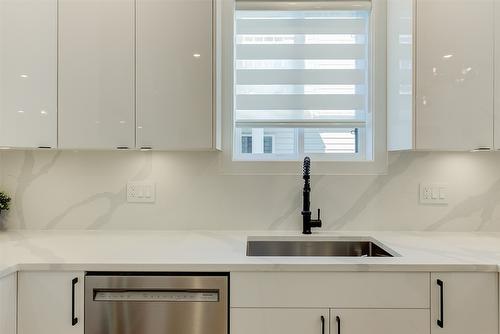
(433, 193)
(141, 192)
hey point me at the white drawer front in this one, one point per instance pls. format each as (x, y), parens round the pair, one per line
(330, 290)
(274, 321)
(386, 321)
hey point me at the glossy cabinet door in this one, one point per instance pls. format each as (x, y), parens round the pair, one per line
(8, 304)
(46, 302)
(455, 70)
(469, 303)
(276, 320)
(379, 321)
(28, 73)
(174, 74)
(96, 74)
(400, 75)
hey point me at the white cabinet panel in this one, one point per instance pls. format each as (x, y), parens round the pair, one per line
(400, 66)
(279, 321)
(28, 73)
(377, 321)
(455, 66)
(174, 74)
(45, 303)
(96, 74)
(470, 303)
(8, 304)
(330, 290)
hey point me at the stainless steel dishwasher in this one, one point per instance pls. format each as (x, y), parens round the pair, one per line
(156, 304)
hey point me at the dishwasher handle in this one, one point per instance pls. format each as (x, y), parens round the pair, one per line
(132, 295)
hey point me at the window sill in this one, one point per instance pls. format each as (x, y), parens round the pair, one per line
(231, 167)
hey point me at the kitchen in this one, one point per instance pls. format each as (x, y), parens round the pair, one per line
(148, 145)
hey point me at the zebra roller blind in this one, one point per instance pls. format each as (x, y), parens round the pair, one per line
(302, 80)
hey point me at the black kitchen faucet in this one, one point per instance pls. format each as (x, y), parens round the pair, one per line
(307, 222)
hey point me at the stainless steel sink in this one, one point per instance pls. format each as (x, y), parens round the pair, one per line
(324, 248)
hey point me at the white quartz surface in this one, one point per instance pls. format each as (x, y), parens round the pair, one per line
(225, 251)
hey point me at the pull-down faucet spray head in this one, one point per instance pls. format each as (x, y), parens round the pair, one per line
(307, 168)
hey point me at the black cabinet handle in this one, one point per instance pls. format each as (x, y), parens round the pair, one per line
(74, 320)
(440, 321)
(338, 324)
(322, 325)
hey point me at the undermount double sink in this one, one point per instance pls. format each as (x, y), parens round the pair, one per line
(318, 247)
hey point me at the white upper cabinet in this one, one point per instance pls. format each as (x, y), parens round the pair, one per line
(455, 72)
(440, 93)
(96, 74)
(69, 77)
(28, 73)
(400, 25)
(175, 74)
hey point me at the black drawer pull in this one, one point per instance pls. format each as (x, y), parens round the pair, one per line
(74, 320)
(440, 321)
(322, 325)
(338, 324)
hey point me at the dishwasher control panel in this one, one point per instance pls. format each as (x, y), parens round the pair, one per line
(156, 296)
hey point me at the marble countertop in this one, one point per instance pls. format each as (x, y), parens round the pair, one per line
(225, 251)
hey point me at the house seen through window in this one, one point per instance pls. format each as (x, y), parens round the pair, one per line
(302, 83)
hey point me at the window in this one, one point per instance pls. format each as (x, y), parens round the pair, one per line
(246, 144)
(302, 82)
(268, 144)
(264, 143)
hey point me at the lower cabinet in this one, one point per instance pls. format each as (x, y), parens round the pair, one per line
(276, 321)
(288, 303)
(360, 303)
(8, 304)
(377, 321)
(333, 321)
(464, 303)
(50, 302)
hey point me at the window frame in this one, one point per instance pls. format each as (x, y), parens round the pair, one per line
(377, 110)
(301, 125)
(271, 157)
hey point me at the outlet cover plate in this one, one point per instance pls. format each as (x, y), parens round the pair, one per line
(141, 192)
(433, 193)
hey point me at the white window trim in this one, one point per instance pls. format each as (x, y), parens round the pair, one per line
(378, 96)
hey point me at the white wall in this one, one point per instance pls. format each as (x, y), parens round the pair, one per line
(86, 190)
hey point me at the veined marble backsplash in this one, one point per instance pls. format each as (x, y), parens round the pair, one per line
(87, 190)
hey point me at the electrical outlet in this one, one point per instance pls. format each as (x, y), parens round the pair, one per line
(433, 194)
(141, 192)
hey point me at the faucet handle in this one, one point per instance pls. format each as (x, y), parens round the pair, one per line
(317, 222)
